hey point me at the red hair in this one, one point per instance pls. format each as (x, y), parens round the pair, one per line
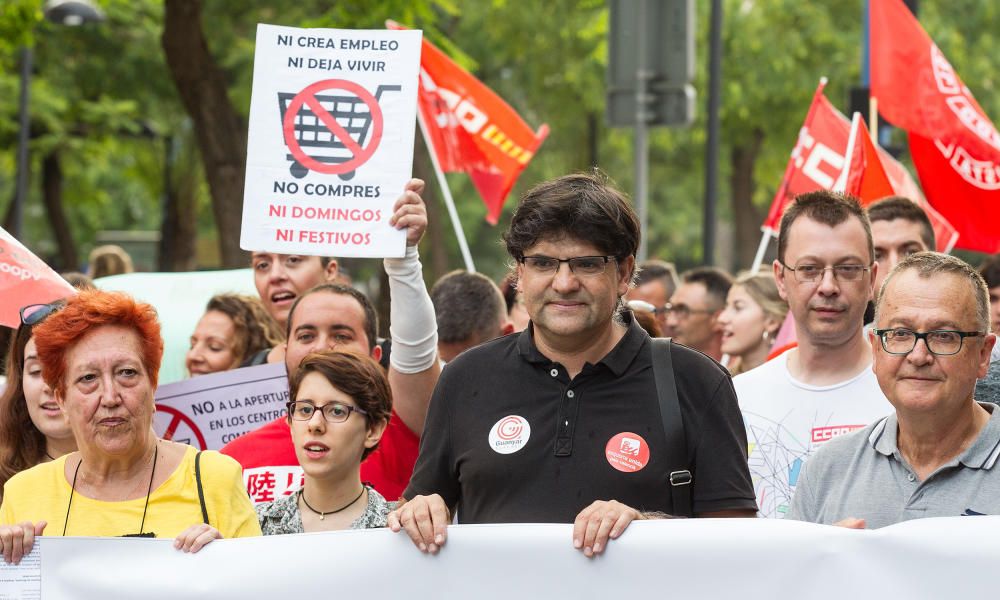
(85, 312)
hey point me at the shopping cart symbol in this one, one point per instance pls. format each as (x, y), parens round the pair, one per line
(334, 132)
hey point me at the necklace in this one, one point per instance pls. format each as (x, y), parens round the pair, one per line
(322, 515)
(72, 491)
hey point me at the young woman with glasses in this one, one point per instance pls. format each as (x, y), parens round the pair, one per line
(339, 407)
(32, 428)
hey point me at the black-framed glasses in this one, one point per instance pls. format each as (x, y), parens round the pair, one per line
(33, 314)
(811, 273)
(942, 342)
(334, 412)
(683, 311)
(579, 265)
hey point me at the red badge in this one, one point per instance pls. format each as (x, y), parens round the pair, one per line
(627, 452)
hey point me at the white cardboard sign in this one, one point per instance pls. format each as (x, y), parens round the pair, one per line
(330, 142)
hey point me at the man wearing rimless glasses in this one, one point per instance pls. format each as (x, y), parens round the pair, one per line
(936, 455)
(797, 402)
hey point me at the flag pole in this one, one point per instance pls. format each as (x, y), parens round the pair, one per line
(765, 239)
(873, 118)
(841, 184)
(448, 200)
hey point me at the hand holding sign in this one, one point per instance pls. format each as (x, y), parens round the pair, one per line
(410, 212)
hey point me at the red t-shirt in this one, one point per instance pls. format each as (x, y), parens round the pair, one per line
(271, 469)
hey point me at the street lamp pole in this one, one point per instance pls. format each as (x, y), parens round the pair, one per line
(62, 12)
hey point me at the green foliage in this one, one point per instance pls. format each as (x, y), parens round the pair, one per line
(102, 96)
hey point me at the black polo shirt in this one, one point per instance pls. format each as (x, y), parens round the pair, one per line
(511, 438)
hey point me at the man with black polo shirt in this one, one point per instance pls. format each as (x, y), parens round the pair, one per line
(562, 422)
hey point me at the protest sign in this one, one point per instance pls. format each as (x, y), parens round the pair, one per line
(25, 279)
(750, 559)
(210, 411)
(330, 142)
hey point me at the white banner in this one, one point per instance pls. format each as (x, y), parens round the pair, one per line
(685, 558)
(330, 142)
(210, 411)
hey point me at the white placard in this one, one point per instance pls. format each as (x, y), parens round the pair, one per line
(330, 142)
(749, 559)
(209, 411)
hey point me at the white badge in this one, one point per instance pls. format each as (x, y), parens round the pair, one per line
(509, 434)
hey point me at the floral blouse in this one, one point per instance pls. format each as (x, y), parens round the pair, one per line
(282, 515)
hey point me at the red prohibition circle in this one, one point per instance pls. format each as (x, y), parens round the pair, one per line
(308, 96)
(177, 417)
(509, 428)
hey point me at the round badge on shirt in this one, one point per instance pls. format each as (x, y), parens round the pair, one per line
(509, 434)
(627, 452)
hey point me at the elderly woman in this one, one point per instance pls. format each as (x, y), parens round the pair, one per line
(100, 356)
(235, 331)
(754, 312)
(32, 428)
(339, 408)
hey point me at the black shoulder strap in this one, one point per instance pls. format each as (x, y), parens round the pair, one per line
(201, 491)
(673, 427)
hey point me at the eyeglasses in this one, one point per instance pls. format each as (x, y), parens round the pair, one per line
(683, 311)
(33, 314)
(334, 412)
(810, 273)
(579, 265)
(942, 342)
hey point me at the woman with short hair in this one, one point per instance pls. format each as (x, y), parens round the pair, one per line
(339, 407)
(101, 356)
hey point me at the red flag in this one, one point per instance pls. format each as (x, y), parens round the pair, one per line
(472, 129)
(818, 159)
(954, 145)
(863, 176)
(25, 279)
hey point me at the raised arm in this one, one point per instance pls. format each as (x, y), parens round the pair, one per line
(413, 363)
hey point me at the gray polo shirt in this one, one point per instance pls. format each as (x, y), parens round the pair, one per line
(863, 475)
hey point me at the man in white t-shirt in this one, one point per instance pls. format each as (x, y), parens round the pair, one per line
(825, 387)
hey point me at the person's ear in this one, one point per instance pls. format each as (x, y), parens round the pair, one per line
(375, 431)
(377, 353)
(507, 328)
(873, 292)
(777, 268)
(985, 355)
(626, 272)
(332, 270)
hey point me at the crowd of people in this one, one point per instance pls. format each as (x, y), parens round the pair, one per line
(584, 388)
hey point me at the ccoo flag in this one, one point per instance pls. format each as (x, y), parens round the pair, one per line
(954, 145)
(473, 130)
(25, 279)
(863, 176)
(818, 160)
